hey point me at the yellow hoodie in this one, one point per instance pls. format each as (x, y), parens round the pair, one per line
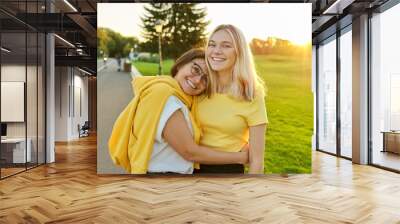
(132, 138)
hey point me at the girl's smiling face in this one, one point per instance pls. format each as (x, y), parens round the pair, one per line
(192, 77)
(220, 52)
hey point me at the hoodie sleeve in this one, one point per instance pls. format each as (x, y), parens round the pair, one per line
(119, 138)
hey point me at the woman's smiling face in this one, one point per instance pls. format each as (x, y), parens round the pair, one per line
(192, 77)
(220, 53)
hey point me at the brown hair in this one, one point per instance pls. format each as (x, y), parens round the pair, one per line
(187, 57)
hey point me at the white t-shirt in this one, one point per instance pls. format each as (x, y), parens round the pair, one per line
(164, 158)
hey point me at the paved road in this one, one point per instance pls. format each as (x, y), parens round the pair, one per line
(111, 65)
(114, 92)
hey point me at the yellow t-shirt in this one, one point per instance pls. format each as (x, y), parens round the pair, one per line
(225, 121)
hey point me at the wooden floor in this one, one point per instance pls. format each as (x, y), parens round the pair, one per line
(70, 191)
(10, 171)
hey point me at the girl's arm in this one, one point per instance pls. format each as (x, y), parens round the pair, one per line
(257, 147)
(177, 134)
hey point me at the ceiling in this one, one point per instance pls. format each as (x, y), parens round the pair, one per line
(74, 21)
(330, 15)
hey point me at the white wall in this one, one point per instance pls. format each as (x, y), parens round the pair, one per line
(14, 73)
(61, 103)
(10, 73)
(33, 127)
(80, 83)
(71, 93)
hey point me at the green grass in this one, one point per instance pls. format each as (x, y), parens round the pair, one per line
(289, 104)
(148, 68)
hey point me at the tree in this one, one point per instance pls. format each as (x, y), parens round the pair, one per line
(257, 46)
(153, 13)
(112, 43)
(129, 43)
(103, 39)
(184, 26)
(277, 46)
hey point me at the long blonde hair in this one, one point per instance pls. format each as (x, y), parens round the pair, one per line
(244, 76)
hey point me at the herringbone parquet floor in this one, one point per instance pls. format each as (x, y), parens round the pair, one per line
(70, 191)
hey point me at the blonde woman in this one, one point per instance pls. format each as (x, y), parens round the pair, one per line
(234, 112)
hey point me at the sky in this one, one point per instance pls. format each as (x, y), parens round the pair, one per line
(256, 20)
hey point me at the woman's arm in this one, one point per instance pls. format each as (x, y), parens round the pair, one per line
(257, 147)
(177, 134)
